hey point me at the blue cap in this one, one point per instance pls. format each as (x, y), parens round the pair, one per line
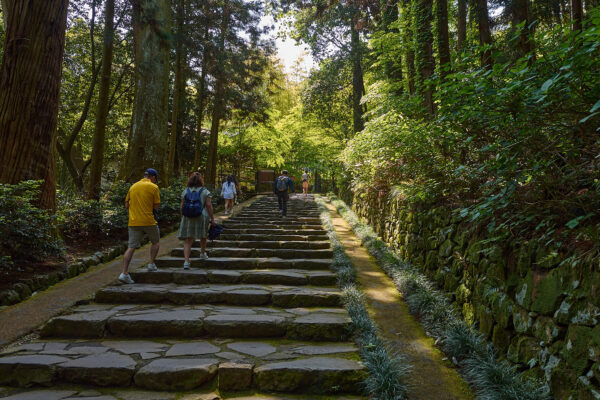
(151, 172)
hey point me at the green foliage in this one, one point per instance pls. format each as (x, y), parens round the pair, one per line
(514, 147)
(27, 233)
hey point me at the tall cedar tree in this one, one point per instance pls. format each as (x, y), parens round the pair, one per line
(423, 16)
(178, 89)
(102, 111)
(443, 37)
(30, 77)
(485, 34)
(148, 145)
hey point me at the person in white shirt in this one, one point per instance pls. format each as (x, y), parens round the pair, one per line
(229, 193)
(305, 179)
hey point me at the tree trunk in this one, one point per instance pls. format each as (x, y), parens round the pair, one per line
(102, 110)
(443, 36)
(462, 24)
(409, 39)
(576, 15)
(357, 79)
(219, 104)
(522, 15)
(424, 51)
(485, 35)
(30, 77)
(200, 112)
(176, 91)
(148, 146)
(393, 67)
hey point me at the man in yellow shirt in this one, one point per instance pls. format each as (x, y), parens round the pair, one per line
(142, 200)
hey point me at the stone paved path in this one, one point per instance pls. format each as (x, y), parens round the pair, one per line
(262, 314)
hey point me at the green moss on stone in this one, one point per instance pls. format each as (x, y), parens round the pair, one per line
(576, 349)
(548, 294)
(501, 338)
(522, 321)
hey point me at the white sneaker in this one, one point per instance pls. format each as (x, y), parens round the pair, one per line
(186, 265)
(126, 278)
(203, 256)
(152, 267)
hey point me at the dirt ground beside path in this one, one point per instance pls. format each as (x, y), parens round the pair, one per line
(24, 317)
(431, 378)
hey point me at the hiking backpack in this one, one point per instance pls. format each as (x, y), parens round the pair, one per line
(192, 204)
(282, 184)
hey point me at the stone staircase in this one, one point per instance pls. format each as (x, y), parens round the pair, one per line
(262, 314)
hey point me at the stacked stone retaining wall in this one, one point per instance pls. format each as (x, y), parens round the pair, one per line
(538, 306)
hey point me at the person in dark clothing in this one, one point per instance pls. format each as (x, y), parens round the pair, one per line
(282, 188)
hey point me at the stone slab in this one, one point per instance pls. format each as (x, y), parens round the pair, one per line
(107, 369)
(29, 370)
(176, 374)
(81, 325)
(248, 326)
(192, 349)
(158, 323)
(235, 376)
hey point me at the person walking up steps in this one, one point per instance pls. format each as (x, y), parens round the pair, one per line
(196, 212)
(229, 193)
(282, 188)
(305, 179)
(142, 201)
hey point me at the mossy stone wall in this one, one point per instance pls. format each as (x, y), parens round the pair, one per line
(539, 309)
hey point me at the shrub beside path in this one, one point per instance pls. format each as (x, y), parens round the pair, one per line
(22, 318)
(431, 377)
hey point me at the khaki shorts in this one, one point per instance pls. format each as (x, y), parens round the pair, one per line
(136, 234)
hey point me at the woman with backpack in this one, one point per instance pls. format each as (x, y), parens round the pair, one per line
(305, 179)
(229, 194)
(197, 216)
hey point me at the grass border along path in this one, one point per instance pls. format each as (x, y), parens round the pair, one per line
(493, 379)
(387, 371)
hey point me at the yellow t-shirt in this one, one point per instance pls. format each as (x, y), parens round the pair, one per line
(142, 197)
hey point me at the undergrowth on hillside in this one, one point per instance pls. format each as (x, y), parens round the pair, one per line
(493, 379)
(388, 369)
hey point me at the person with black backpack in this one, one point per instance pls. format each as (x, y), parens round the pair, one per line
(197, 216)
(283, 187)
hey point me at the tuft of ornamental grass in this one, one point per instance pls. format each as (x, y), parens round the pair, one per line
(493, 379)
(387, 369)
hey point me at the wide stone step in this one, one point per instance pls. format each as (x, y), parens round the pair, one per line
(145, 321)
(247, 263)
(261, 226)
(296, 277)
(279, 237)
(267, 244)
(259, 253)
(242, 295)
(270, 218)
(235, 365)
(275, 232)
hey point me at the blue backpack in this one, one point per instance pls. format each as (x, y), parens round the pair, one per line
(192, 205)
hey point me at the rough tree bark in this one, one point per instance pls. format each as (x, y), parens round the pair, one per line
(200, 112)
(443, 36)
(424, 51)
(485, 34)
(148, 145)
(219, 103)
(176, 90)
(576, 15)
(521, 15)
(30, 77)
(102, 109)
(462, 23)
(409, 39)
(357, 77)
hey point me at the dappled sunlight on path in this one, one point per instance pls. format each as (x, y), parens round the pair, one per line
(432, 377)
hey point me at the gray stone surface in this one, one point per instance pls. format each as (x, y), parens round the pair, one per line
(81, 325)
(192, 349)
(315, 350)
(107, 369)
(158, 323)
(28, 370)
(235, 376)
(322, 375)
(135, 346)
(244, 326)
(42, 395)
(323, 327)
(176, 374)
(256, 349)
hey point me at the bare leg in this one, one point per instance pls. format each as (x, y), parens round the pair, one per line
(127, 258)
(187, 248)
(203, 245)
(154, 252)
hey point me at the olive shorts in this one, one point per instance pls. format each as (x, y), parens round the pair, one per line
(136, 234)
